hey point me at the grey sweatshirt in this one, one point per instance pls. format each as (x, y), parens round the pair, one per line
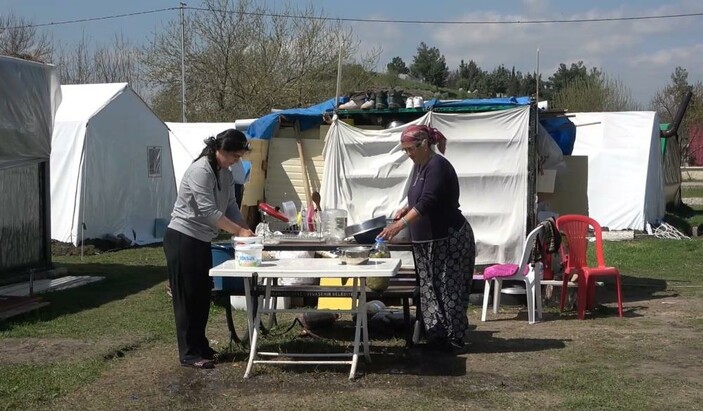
(200, 203)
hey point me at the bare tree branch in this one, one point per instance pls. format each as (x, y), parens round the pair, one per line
(19, 40)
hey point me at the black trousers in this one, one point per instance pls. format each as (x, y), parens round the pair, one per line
(189, 261)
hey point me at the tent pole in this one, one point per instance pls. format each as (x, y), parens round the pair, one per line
(82, 199)
(183, 65)
(339, 76)
(537, 79)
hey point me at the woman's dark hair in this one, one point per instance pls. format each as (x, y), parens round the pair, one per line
(230, 140)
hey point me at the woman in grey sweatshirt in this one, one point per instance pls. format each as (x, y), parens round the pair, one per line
(206, 203)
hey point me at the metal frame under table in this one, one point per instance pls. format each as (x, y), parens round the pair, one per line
(270, 271)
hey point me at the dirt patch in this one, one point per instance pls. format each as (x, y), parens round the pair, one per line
(46, 351)
(511, 365)
(90, 247)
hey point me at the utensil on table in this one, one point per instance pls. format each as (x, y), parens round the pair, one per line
(354, 255)
(270, 210)
(366, 231)
(316, 199)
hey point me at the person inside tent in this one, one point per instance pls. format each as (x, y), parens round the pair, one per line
(443, 240)
(205, 204)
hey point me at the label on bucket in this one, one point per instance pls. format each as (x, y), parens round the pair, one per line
(248, 255)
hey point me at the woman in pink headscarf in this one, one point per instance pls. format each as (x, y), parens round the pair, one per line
(443, 241)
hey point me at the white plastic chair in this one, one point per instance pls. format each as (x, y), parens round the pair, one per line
(531, 274)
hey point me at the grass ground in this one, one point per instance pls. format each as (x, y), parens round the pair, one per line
(692, 191)
(111, 345)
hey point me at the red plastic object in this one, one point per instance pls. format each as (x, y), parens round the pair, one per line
(270, 210)
(575, 227)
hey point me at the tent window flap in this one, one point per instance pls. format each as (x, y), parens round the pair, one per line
(154, 161)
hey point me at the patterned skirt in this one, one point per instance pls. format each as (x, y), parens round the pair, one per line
(445, 268)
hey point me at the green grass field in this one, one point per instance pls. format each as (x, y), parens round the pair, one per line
(111, 345)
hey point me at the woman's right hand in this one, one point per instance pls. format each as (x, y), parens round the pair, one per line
(245, 232)
(400, 213)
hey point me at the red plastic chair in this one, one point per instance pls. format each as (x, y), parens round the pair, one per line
(575, 227)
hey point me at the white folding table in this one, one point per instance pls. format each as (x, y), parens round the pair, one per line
(269, 271)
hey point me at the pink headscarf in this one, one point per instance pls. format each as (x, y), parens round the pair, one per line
(417, 133)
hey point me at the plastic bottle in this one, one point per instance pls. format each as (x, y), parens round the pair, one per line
(303, 225)
(380, 249)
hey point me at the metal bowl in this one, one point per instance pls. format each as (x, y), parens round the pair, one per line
(354, 255)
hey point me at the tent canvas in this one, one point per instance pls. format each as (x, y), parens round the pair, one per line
(111, 167)
(366, 174)
(30, 93)
(625, 177)
(187, 142)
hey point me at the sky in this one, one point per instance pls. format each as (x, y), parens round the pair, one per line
(641, 54)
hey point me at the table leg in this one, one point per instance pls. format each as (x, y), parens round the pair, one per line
(357, 330)
(273, 305)
(249, 284)
(268, 303)
(233, 338)
(364, 319)
(254, 341)
(418, 328)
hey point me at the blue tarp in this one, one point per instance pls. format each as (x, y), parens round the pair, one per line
(264, 127)
(507, 101)
(562, 130)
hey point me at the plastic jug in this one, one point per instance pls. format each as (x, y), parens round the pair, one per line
(380, 249)
(334, 221)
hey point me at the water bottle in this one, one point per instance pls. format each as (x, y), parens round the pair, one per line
(380, 249)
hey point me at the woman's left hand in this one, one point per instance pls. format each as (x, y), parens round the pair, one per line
(391, 230)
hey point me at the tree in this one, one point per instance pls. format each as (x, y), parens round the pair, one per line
(19, 38)
(429, 66)
(243, 59)
(589, 94)
(118, 61)
(470, 77)
(564, 76)
(397, 66)
(666, 102)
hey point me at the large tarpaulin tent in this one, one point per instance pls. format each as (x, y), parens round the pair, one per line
(111, 167)
(29, 96)
(625, 177)
(366, 173)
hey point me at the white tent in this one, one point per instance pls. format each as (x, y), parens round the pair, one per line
(187, 144)
(366, 174)
(625, 180)
(111, 168)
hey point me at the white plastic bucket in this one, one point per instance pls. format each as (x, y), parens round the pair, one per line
(248, 255)
(247, 240)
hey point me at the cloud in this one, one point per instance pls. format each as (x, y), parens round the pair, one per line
(691, 56)
(617, 48)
